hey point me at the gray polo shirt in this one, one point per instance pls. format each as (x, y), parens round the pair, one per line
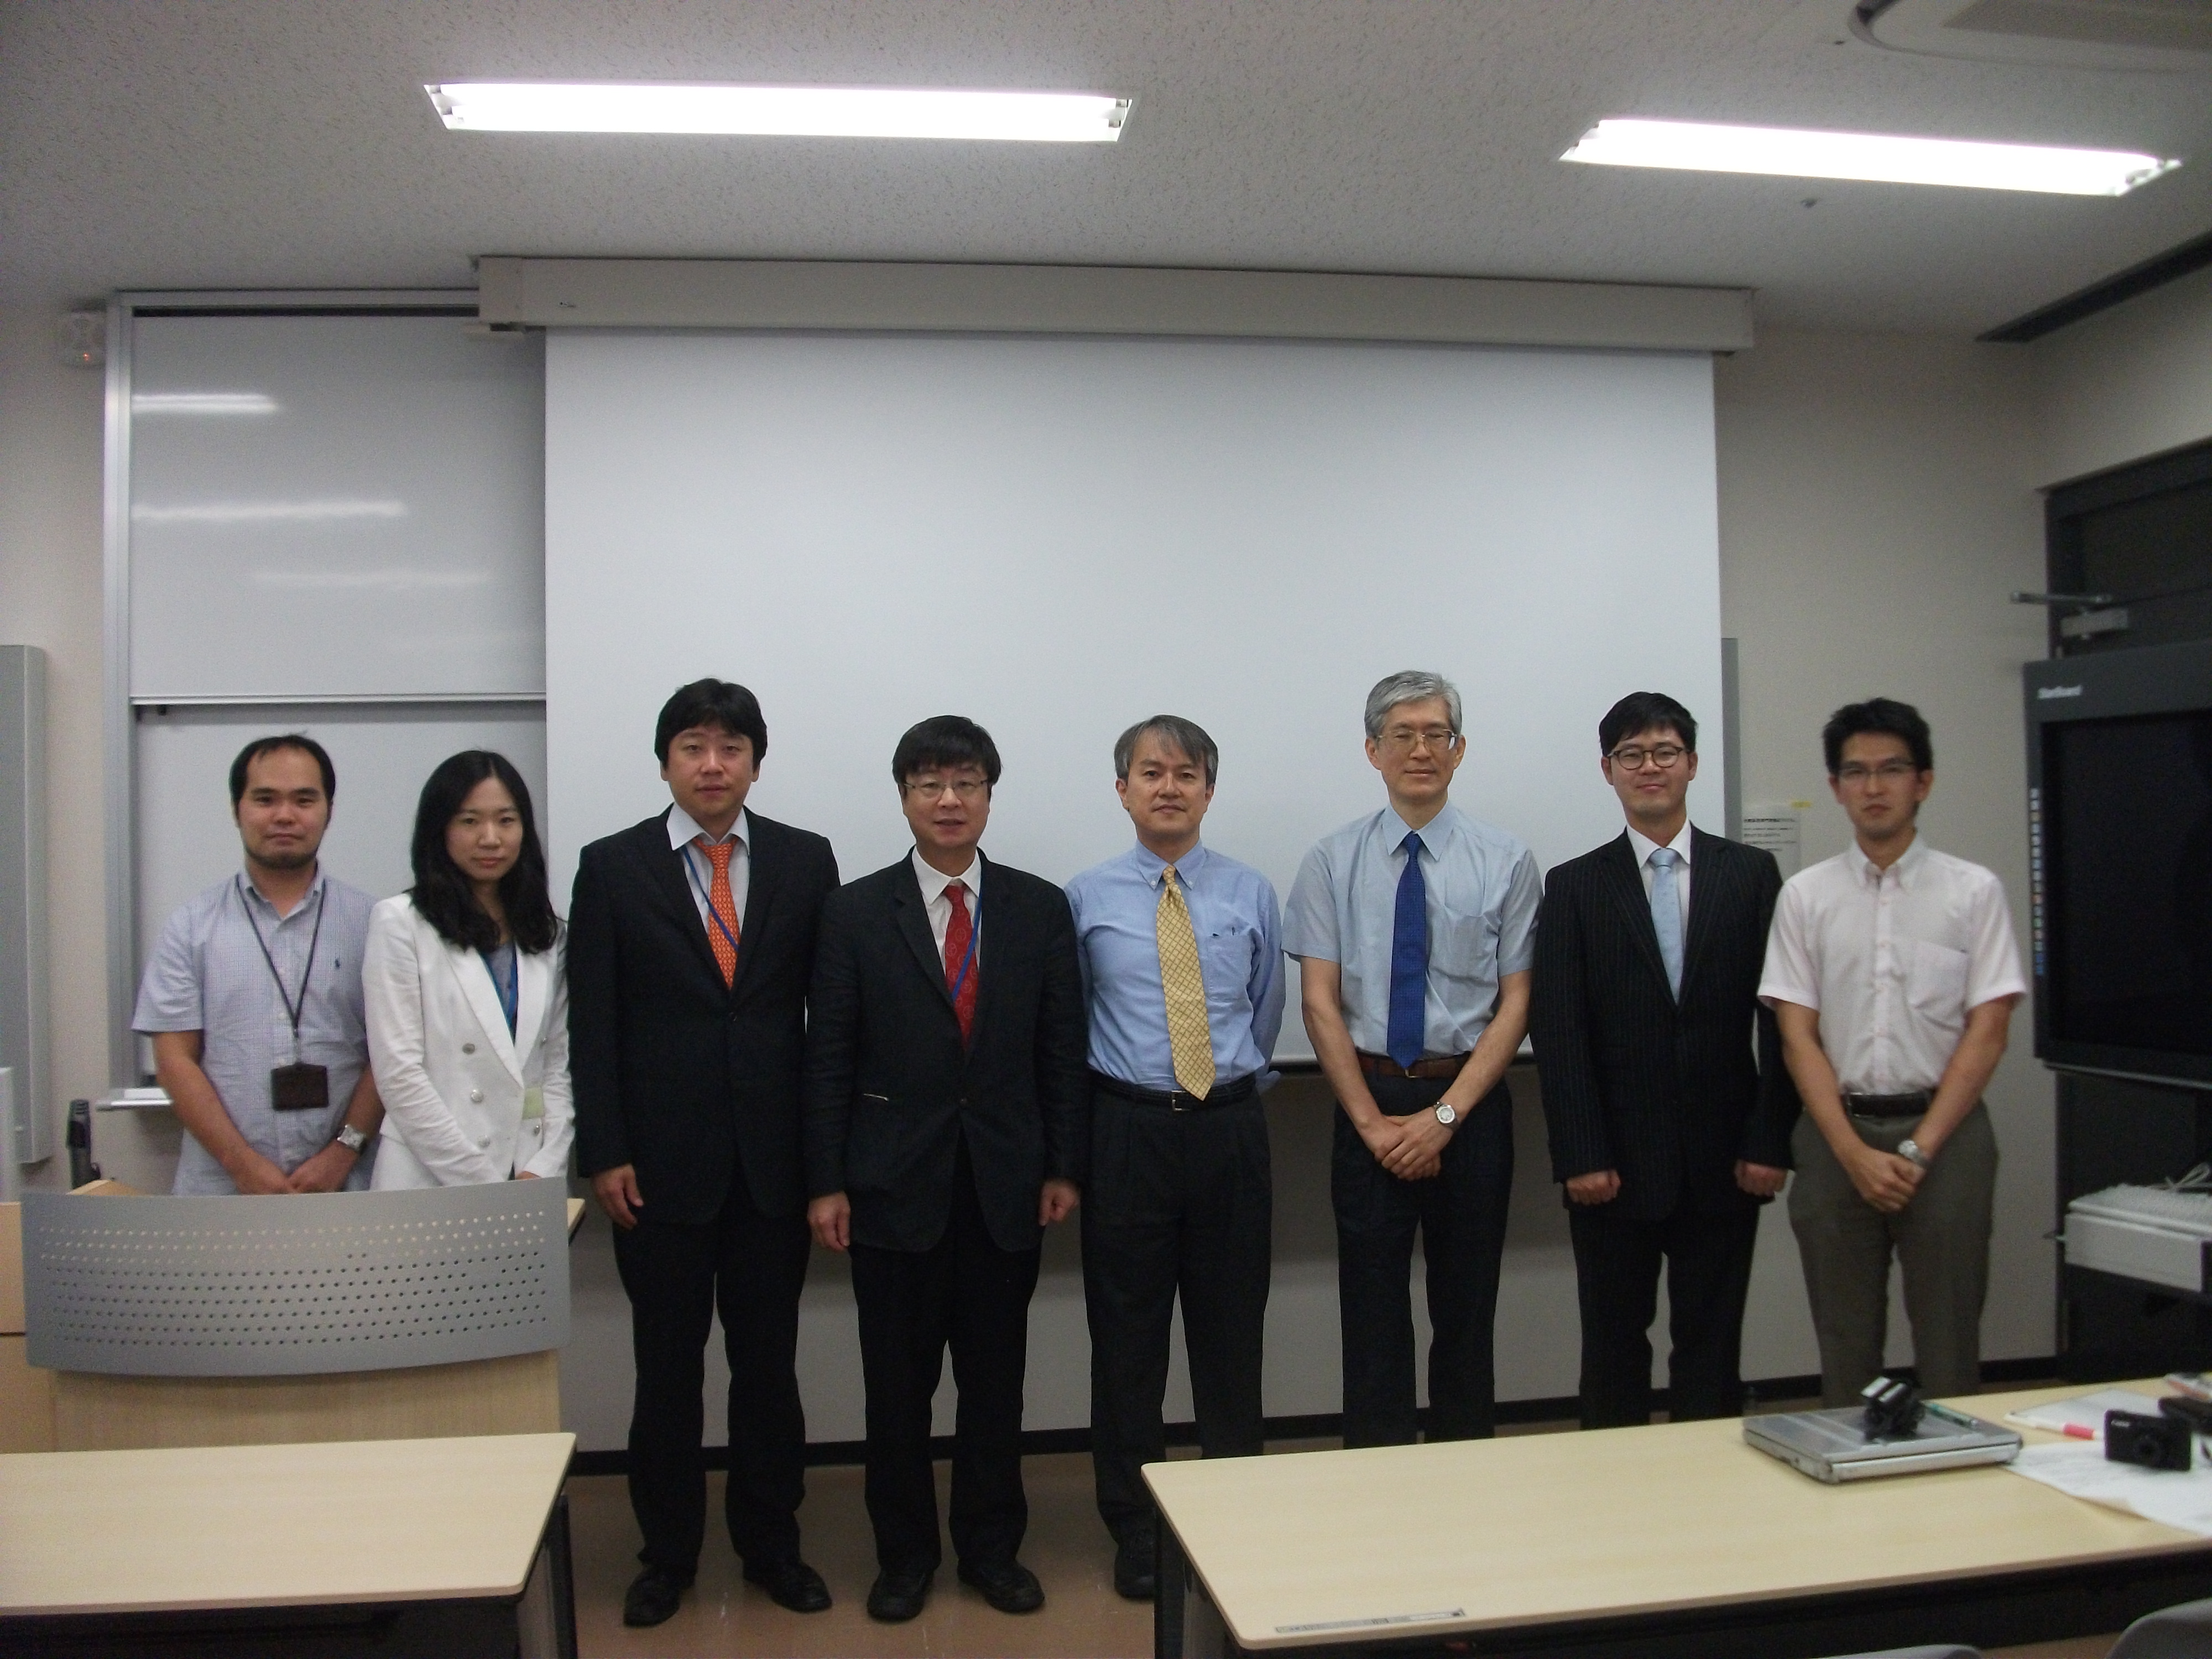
(207, 974)
(1483, 887)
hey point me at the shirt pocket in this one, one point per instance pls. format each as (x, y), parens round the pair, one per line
(1224, 958)
(1935, 980)
(1463, 944)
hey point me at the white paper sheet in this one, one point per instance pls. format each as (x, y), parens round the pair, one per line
(2084, 1411)
(2080, 1470)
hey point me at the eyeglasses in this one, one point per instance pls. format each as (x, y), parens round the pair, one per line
(1634, 757)
(1858, 776)
(930, 788)
(1404, 740)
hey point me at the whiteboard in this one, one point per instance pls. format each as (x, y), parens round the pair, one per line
(383, 753)
(1058, 536)
(335, 507)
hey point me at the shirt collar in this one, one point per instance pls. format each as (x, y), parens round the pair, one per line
(1904, 871)
(684, 829)
(1433, 834)
(935, 881)
(251, 894)
(1149, 864)
(1644, 847)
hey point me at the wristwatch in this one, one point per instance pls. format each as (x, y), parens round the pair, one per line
(351, 1139)
(1911, 1153)
(1447, 1113)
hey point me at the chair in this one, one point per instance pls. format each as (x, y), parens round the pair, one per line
(2182, 1632)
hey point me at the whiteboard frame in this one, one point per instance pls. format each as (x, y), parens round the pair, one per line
(119, 804)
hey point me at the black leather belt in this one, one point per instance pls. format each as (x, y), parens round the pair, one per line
(1905, 1105)
(1222, 1094)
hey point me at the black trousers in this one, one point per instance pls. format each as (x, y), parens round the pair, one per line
(1460, 1213)
(1178, 1201)
(967, 1294)
(750, 1267)
(1617, 1260)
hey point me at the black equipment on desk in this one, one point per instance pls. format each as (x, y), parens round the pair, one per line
(2154, 1443)
(1893, 1408)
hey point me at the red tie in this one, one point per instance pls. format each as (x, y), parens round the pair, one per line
(959, 963)
(722, 926)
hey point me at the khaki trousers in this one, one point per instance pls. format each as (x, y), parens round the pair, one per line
(1942, 1240)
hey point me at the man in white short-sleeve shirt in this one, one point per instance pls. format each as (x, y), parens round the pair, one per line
(1892, 971)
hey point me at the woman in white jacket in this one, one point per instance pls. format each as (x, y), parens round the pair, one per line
(467, 998)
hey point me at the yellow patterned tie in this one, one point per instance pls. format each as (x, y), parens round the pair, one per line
(1190, 1039)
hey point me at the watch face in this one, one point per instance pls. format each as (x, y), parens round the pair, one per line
(1447, 1115)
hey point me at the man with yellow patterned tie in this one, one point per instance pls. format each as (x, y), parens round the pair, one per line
(1182, 971)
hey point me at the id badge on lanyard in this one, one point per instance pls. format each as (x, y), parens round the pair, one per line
(301, 1086)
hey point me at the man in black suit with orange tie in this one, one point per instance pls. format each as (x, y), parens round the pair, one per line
(947, 1122)
(1668, 1106)
(690, 947)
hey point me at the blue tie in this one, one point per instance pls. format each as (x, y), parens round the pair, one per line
(1409, 957)
(1667, 914)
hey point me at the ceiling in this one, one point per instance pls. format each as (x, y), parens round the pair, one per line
(263, 143)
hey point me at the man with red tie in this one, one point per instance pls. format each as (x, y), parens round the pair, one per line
(947, 1122)
(691, 946)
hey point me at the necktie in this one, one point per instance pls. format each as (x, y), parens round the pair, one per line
(1190, 1039)
(722, 926)
(959, 958)
(1667, 914)
(1409, 957)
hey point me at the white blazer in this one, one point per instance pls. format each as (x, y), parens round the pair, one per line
(454, 1082)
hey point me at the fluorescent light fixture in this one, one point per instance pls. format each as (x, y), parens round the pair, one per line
(268, 512)
(1796, 153)
(202, 403)
(1050, 117)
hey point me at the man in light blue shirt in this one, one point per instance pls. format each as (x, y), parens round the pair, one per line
(252, 996)
(1183, 971)
(1415, 930)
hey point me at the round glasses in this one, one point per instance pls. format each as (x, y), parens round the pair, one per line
(1634, 757)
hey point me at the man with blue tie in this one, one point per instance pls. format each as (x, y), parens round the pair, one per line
(1415, 928)
(1669, 1105)
(1183, 971)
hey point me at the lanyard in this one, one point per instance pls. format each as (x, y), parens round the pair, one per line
(294, 1010)
(510, 991)
(708, 899)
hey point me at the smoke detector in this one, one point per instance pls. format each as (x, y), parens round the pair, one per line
(2159, 36)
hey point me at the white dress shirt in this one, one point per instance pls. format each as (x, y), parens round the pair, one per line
(933, 883)
(1644, 847)
(1893, 960)
(683, 830)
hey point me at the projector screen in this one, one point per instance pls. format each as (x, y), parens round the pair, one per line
(1060, 536)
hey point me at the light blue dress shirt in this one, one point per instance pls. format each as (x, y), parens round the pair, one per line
(207, 974)
(1233, 912)
(1483, 889)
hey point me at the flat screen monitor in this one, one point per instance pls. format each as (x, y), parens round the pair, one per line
(2121, 820)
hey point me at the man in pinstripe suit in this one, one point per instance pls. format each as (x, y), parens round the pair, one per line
(1668, 1107)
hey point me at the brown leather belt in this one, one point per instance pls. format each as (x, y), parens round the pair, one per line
(1382, 1066)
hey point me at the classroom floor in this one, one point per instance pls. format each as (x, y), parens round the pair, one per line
(1068, 1548)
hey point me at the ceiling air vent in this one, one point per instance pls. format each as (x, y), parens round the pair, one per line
(2167, 36)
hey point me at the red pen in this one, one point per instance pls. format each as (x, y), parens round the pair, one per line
(2078, 1432)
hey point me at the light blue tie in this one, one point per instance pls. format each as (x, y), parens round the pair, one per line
(1667, 914)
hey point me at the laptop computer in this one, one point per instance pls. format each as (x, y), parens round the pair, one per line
(1832, 1445)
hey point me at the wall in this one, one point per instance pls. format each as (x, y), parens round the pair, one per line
(2130, 382)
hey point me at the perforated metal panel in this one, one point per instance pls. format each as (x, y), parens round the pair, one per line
(295, 1286)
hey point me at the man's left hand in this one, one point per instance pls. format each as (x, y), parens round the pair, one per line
(326, 1171)
(1420, 1149)
(1760, 1180)
(1056, 1201)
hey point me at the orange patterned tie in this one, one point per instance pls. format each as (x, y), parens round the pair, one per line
(723, 935)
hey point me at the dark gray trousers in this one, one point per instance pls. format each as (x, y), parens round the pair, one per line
(1942, 1241)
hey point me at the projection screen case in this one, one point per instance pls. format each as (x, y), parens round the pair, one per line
(1060, 536)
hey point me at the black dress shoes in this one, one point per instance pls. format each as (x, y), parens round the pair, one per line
(1006, 1585)
(790, 1583)
(652, 1597)
(1136, 1569)
(899, 1596)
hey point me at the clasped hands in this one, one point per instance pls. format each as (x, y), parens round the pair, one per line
(1884, 1179)
(1411, 1147)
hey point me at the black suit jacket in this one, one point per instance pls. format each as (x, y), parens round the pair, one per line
(688, 1080)
(1670, 1095)
(889, 1088)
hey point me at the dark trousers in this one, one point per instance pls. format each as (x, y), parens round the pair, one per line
(1178, 1201)
(1616, 1259)
(966, 1293)
(1460, 1213)
(751, 1267)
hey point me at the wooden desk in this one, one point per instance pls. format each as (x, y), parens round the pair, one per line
(460, 1541)
(1671, 1539)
